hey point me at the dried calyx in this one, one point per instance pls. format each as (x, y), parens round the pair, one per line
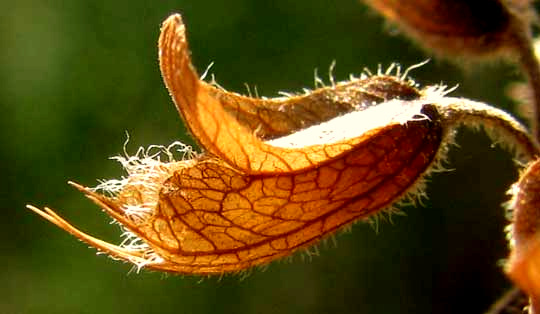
(461, 27)
(278, 174)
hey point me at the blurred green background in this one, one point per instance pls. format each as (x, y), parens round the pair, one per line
(76, 75)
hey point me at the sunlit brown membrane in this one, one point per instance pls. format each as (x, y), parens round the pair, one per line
(276, 117)
(204, 107)
(211, 218)
(218, 213)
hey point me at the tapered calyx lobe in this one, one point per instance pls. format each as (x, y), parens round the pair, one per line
(227, 125)
(276, 174)
(460, 27)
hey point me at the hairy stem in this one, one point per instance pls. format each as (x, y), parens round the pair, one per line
(531, 67)
(499, 125)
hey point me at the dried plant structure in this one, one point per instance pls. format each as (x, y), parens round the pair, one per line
(279, 174)
(461, 27)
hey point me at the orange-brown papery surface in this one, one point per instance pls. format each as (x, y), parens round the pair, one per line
(276, 175)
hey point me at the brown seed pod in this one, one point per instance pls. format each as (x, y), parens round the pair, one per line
(277, 174)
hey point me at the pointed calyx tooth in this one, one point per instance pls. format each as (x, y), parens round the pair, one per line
(459, 27)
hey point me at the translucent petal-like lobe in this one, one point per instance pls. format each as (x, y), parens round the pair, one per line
(276, 117)
(226, 124)
(211, 218)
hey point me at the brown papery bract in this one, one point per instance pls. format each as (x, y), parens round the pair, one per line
(276, 175)
(460, 27)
